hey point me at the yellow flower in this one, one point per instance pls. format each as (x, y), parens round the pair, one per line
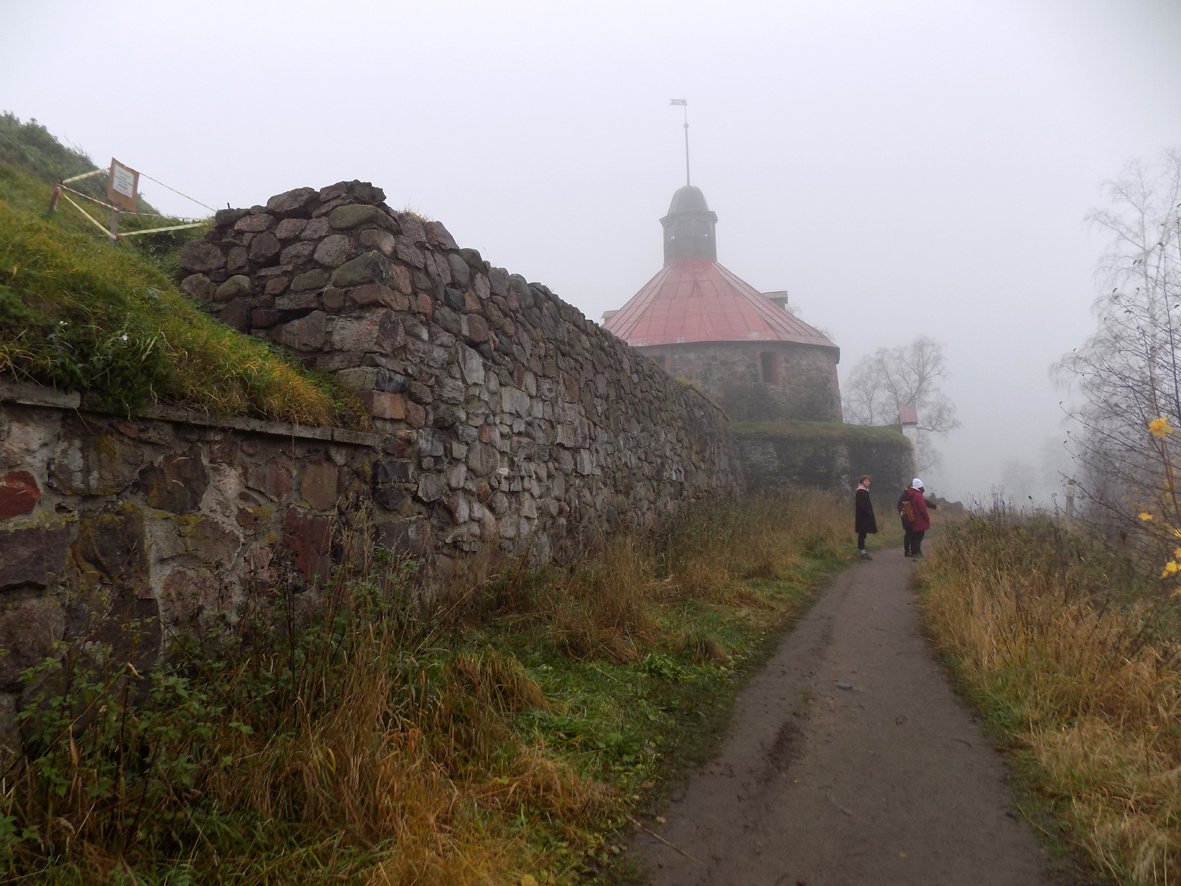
(1159, 427)
(1144, 515)
(1177, 553)
(1170, 568)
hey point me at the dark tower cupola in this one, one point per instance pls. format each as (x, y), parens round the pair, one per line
(689, 227)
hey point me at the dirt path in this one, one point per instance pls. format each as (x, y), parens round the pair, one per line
(850, 763)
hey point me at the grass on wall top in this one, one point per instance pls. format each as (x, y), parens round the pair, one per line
(109, 323)
(821, 430)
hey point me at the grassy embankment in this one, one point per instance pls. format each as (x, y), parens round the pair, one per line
(513, 732)
(1073, 656)
(110, 323)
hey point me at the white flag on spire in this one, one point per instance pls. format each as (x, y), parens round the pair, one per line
(678, 101)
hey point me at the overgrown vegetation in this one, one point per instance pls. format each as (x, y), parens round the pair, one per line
(511, 731)
(108, 322)
(1071, 650)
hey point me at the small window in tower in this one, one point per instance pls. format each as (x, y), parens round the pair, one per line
(770, 367)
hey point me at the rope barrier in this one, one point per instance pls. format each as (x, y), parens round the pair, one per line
(93, 221)
(175, 191)
(76, 178)
(199, 224)
(88, 197)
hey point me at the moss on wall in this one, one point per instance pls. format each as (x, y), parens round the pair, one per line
(828, 455)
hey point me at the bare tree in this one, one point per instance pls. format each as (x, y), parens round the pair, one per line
(890, 378)
(1127, 375)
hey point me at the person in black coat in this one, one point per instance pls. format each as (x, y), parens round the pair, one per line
(864, 521)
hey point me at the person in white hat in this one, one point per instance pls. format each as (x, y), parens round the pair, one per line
(919, 506)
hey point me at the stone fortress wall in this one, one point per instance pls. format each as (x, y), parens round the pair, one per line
(503, 420)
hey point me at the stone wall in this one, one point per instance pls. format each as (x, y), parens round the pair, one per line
(760, 381)
(515, 421)
(504, 421)
(780, 456)
(127, 530)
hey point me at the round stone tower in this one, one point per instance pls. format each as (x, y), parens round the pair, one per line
(701, 322)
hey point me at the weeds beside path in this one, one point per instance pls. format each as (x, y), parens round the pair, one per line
(1072, 654)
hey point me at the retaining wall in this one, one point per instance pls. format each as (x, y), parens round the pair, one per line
(504, 421)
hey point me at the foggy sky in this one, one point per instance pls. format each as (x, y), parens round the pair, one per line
(901, 168)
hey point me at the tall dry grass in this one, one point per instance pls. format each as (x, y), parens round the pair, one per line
(382, 742)
(1080, 663)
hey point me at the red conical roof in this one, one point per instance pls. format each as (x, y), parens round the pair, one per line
(698, 300)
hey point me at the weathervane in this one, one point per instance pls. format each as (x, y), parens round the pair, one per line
(684, 103)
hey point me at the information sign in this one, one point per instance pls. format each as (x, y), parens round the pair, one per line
(123, 186)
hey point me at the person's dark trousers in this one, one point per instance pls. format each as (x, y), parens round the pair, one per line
(908, 543)
(861, 540)
(916, 543)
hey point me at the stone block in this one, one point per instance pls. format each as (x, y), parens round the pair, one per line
(198, 286)
(235, 287)
(33, 556)
(211, 542)
(438, 236)
(177, 484)
(272, 479)
(276, 286)
(255, 223)
(431, 487)
(474, 328)
(356, 215)
(406, 251)
(290, 228)
(18, 494)
(376, 330)
(405, 538)
(363, 378)
(28, 631)
(93, 465)
(297, 203)
(369, 267)
(236, 313)
(192, 597)
(307, 538)
(198, 256)
(112, 542)
(305, 334)
(381, 404)
(298, 301)
(315, 279)
(375, 238)
(334, 250)
(318, 486)
(298, 253)
(237, 260)
(264, 248)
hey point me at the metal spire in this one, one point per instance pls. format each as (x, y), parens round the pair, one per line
(684, 103)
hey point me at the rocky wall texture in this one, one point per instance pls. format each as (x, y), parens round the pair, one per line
(802, 454)
(127, 531)
(504, 421)
(515, 422)
(760, 381)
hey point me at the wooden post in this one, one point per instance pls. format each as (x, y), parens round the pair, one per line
(114, 224)
(57, 192)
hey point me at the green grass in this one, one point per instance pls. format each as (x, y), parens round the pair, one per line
(110, 323)
(819, 430)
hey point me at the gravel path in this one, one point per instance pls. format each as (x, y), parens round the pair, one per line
(851, 762)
